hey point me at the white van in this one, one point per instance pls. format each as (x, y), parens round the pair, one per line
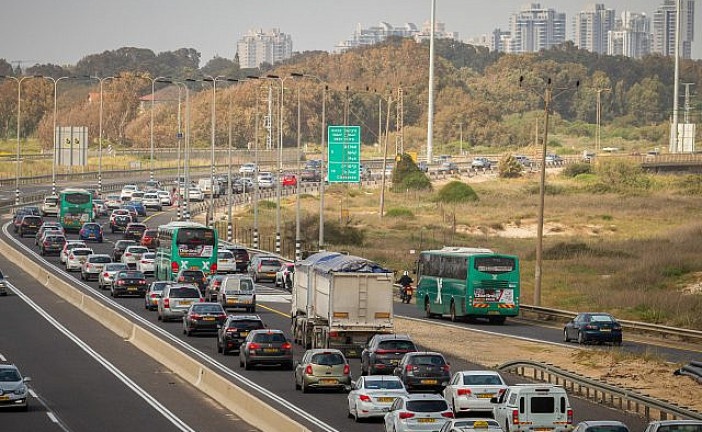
(534, 407)
(50, 206)
(206, 186)
(238, 291)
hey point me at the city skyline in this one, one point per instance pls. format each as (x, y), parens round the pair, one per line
(225, 23)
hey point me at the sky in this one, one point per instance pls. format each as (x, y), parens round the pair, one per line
(64, 31)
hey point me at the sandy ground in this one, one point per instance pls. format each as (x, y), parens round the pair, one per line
(528, 229)
(645, 376)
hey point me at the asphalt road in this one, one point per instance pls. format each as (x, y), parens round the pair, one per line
(321, 411)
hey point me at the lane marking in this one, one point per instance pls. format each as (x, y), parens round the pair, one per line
(286, 315)
(160, 408)
(32, 393)
(2, 358)
(52, 417)
(152, 215)
(301, 413)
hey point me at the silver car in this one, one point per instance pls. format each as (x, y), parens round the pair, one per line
(479, 425)
(417, 412)
(94, 265)
(264, 267)
(13, 388)
(107, 275)
(237, 291)
(372, 396)
(176, 299)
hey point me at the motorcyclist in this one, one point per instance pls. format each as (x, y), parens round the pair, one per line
(406, 282)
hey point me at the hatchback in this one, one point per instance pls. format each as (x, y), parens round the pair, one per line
(152, 201)
(372, 396)
(674, 426)
(113, 202)
(153, 293)
(134, 231)
(29, 225)
(481, 162)
(149, 239)
(203, 317)
(593, 327)
(289, 180)
(55, 227)
(128, 282)
(448, 167)
(120, 247)
(266, 347)
(145, 264)
(226, 263)
(76, 258)
(119, 222)
(417, 412)
(241, 256)
(108, 274)
(323, 369)
(164, 197)
(423, 371)
(132, 254)
(235, 330)
(384, 352)
(605, 426)
(70, 244)
(13, 388)
(264, 267)
(176, 299)
(193, 276)
(50, 206)
(247, 168)
(91, 231)
(94, 265)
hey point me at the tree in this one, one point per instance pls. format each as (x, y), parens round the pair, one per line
(5, 67)
(220, 66)
(510, 167)
(645, 99)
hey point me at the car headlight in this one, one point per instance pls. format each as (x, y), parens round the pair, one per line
(21, 390)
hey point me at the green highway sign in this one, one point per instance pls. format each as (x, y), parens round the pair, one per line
(344, 156)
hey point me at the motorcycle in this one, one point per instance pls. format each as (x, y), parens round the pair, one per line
(406, 294)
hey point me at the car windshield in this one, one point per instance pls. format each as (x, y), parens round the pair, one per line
(269, 337)
(328, 359)
(427, 360)
(149, 255)
(9, 375)
(397, 345)
(681, 428)
(382, 384)
(481, 380)
(100, 259)
(611, 428)
(208, 308)
(246, 324)
(124, 244)
(82, 252)
(184, 293)
(427, 405)
(115, 267)
(158, 286)
(139, 250)
(601, 318)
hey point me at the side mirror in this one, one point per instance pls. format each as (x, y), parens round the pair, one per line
(26, 379)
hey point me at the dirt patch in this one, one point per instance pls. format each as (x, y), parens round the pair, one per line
(528, 230)
(695, 287)
(644, 375)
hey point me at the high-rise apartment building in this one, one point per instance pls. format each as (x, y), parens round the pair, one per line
(258, 47)
(373, 35)
(534, 29)
(664, 20)
(631, 36)
(591, 27)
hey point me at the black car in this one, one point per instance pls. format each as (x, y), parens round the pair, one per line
(19, 214)
(593, 327)
(235, 330)
(203, 317)
(241, 255)
(120, 247)
(119, 223)
(128, 282)
(384, 352)
(29, 225)
(422, 371)
(52, 243)
(134, 231)
(193, 277)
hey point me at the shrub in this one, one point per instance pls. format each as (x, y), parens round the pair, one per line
(337, 234)
(456, 192)
(577, 169)
(265, 204)
(620, 174)
(413, 181)
(510, 167)
(549, 189)
(399, 212)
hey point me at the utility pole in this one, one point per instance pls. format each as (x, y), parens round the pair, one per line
(400, 139)
(598, 138)
(385, 158)
(430, 114)
(460, 137)
(298, 237)
(674, 146)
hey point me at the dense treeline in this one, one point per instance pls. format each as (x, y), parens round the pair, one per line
(477, 89)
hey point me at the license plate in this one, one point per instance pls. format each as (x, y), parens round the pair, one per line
(485, 396)
(92, 235)
(328, 381)
(493, 312)
(542, 429)
(4, 398)
(429, 382)
(244, 334)
(271, 274)
(426, 420)
(394, 362)
(132, 289)
(185, 303)
(209, 318)
(270, 350)
(605, 330)
(386, 399)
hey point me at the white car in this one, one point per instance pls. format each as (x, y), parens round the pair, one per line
(287, 270)
(195, 194)
(113, 202)
(108, 274)
(50, 206)
(70, 244)
(247, 168)
(417, 412)
(133, 254)
(265, 180)
(76, 257)
(372, 396)
(471, 391)
(472, 425)
(94, 265)
(152, 201)
(165, 198)
(137, 196)
(226, 261)
(146, 263)
(127, 191)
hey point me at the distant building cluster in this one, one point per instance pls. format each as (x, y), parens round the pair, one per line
(258, 47)
(597, 29)
(373, 35)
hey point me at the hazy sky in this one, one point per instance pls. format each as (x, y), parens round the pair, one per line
(63, 31)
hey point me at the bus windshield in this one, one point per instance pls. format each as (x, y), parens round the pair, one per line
(195, 242)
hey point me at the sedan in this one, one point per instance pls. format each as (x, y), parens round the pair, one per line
(247, 168)
(266, 347)
(601, 426)
(146, 263)
(322, 369)
(133, 254)
(417, 412)
(372, 396)
(134, 231)
(108, 274)
(13, 388)
(593, 327)
(203, 317)
(91, 231)
(76, 258)
(448, 167)
(165, 197)
(70, 244)
(235, 330)
(421, 371)
(120, 247)
(481, 162)
(289, 180)
(52, 243)
(152, 201)
(471, 391)
(94, 265)
(129, 282)
(119, 223)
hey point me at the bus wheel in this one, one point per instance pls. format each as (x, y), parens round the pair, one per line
(497, 320)
(453, 312)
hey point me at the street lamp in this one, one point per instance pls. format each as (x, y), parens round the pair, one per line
(19, 104)
(151, 127)
(101, 80)
(55, 81)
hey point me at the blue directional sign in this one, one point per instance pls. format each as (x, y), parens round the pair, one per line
(344, 154)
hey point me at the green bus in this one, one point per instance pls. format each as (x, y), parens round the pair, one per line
(185, 245)
(75, 208)
(468, 282)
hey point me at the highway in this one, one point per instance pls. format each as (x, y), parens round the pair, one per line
(320, 412)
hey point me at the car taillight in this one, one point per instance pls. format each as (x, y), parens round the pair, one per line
(446, 368)
(409, 368)
(406, 415)
(154, 295)
(195, 316)
(46, 243)
(167, 302)
(501, 392)
(181, 279)
(175, 267)
(447, 414)
(142, 282)
(570, 416)
(128, 254)
(105, 275)
(70, 257)
(202, 300)
(515, 417)
(287, 346)
(213, 268)
(347, 369)
(464, 392)
(222, 316)
(364, 398)
(308, 370)
(260, 266)
(120, 282)
(254, 346)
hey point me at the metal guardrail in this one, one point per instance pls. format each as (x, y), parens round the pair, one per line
(661, 331)
(620, 398)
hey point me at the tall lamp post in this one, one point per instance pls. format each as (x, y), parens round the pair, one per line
(19, 105)
(151, 127)
(101, 81)
(55, 82)
(548, 98)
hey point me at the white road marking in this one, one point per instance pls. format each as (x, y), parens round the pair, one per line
(52, 417)
(32, 393)
(2, 358)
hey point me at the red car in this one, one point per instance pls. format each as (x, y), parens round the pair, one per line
(289, 180)
(150, 239)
